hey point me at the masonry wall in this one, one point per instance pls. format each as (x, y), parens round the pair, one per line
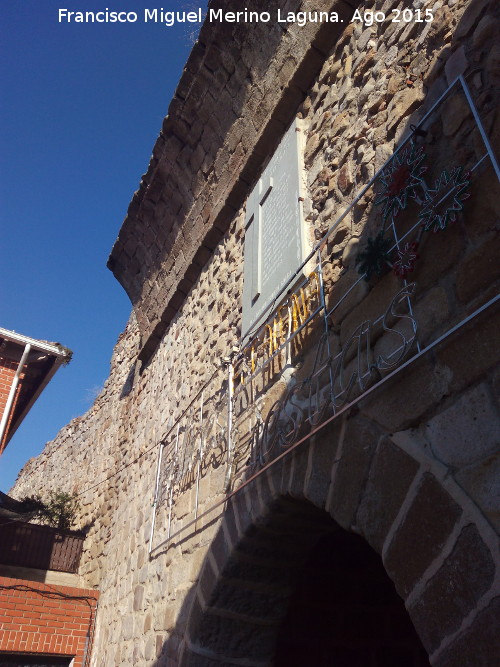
(51, 620)
(427, 439)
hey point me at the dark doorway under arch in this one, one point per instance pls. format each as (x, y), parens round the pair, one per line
(294, 589)
(344, 612)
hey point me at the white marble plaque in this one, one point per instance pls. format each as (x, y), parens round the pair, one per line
(274, 232)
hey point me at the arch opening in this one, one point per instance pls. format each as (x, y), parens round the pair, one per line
(344, 611)
(299, 590)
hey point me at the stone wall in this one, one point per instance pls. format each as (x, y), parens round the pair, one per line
(203, 161)
(427, 438)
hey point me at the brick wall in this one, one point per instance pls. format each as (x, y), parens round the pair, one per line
(42, 619)
(8, 370)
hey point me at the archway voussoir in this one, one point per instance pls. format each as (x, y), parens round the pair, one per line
(230, 522)
(454, 591)
(351, 470)
(220, 550)
(422, 534)
(297, 461)
(391, 474)
(323, 451)
(234, 639)
(277, 476)
(264, 604)
(265, 490)
(206, 584)
(482, 632)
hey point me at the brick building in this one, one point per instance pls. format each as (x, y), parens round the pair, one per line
(295, 458)
(45, 617)
(45, 624)
(26, 367)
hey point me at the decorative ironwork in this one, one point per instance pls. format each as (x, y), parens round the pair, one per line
(406, 258)
(445, 199)
(375, 258)
(335, 379)
(244, 433)
(401, 178)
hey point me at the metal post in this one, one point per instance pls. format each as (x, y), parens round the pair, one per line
(480, 126)
(12, 393)
(172, 483)
(230, 391)
(200, 453)
(325, 316)
(155, 501)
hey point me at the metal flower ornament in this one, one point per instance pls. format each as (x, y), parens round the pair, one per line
(375, 258)
(400, 180)
(445, 200)
(406, 258)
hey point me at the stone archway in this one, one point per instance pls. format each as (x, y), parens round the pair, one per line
(260, 615)
(356, 487)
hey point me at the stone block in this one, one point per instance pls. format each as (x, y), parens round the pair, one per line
(196, 563)
(149, 649)
(235, 638)
(183, 504)
(323, 451)
(403, 104)
(467, 431)
(456, 65)
(159, 643)
(422, 534)
(478, 645)
(487, 28)
(439, 253)
(484, 205)
(401, 401)
(127, 628)
(381, 500)
(454, 591)
(169, 617)
(208, 580)
(138, 597)
(455, 111)
(359, 443)
(148, 623)
(431, 312)
(220, 549)
(274, 476)
(479, 269)
(254, 603)
(346, 294)
(229, 524)
(372, 306)
(265, 490)
(297, 465)
(473, 350)
(469, 18)
(482, 482)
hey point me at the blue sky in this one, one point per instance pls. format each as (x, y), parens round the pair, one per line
(81, 106)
